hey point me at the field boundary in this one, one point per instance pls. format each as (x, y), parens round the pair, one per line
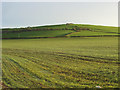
(63, 37)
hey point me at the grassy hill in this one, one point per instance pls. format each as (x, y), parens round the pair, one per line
(63, 30)
(60, 62)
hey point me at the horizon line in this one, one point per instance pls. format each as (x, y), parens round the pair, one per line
(58, 24)
(60, 1)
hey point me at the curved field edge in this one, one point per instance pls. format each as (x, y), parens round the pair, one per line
(90, 33)
(36, 34)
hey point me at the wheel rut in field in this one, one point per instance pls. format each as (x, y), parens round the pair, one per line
(82, 57)
(74, 56)
(24, 69)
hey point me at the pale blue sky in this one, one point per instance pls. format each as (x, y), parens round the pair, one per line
(59, 0)
(19, 14)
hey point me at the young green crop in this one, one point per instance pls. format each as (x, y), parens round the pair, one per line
(60, 62)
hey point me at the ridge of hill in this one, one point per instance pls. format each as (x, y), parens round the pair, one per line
(63, 30)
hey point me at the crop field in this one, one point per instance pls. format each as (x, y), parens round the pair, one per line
(59, 31)
(77, 62)
(42, 33)
(89, 33)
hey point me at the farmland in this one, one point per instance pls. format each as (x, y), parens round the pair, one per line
(63, 30)
(72, 62)
(35, 34)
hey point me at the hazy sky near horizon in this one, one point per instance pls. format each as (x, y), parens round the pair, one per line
(19, 14)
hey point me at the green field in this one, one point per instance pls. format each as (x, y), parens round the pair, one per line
(62, 30)
(90, 33)
(41, 33)
(73, 62)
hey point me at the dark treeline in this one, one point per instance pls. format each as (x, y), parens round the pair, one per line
(38, 29)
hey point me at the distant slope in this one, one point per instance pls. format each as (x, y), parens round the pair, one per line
(37, 34)
(91, 33)
(70, 30)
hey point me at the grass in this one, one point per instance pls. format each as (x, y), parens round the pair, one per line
(60, 62)
(41, 33)
(59, 31)
(91, 33)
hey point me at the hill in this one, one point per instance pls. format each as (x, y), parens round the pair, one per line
(51, 62)
(63, 30)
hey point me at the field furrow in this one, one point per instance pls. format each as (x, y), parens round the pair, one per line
(49, 66)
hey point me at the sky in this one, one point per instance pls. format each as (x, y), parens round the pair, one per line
(23, 14)
(60, 0)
